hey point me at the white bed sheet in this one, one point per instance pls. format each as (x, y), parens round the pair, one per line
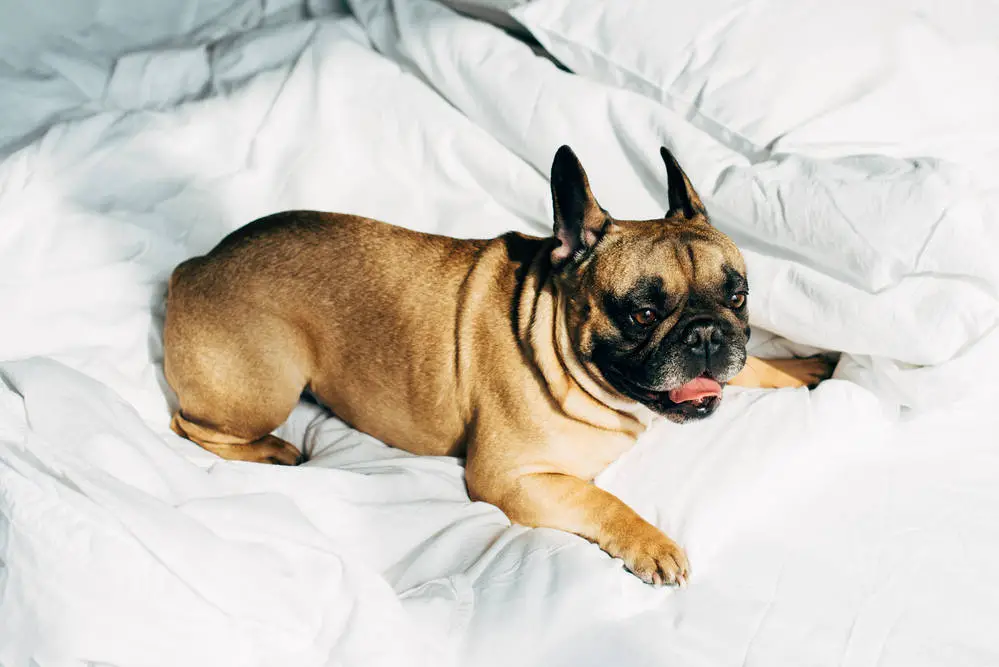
(820, 530)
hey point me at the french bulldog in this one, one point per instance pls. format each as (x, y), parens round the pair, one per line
(540, 360)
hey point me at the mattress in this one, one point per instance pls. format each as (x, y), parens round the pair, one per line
(851, 525)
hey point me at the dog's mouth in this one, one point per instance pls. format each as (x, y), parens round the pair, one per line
(695, 399)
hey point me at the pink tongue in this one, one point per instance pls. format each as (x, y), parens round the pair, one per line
(694, 390)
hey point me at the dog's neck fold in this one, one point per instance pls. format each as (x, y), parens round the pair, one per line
(579, 391)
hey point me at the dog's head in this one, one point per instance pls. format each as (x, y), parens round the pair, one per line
(654, 308)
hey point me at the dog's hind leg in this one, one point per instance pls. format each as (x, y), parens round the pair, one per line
(237, 377)
(266, 449)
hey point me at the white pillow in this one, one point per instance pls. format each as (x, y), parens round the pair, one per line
(895, 77)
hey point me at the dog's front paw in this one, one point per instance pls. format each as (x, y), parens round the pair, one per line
(655, 558)
(806, 372)
(781, 373)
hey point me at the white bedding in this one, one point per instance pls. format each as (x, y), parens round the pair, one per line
(822, 528)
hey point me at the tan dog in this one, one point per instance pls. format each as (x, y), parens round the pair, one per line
(539, 359)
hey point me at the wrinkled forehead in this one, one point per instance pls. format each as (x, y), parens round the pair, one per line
(682, 259)
(712, 258)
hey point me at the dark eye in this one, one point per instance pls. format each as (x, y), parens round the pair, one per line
(644, 317)
(737, 300)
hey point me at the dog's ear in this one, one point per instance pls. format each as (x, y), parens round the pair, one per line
(579, 221)
(683, 200)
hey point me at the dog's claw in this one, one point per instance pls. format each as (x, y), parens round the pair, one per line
(817, 368)
(657, 560)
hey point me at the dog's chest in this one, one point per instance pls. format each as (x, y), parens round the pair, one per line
(584, 451)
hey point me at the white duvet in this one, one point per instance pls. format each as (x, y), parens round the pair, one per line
(823, 528)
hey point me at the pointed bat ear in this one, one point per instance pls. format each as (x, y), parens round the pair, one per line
(683, 199)
(579, 221)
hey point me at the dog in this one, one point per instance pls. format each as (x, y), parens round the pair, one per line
(540, 360)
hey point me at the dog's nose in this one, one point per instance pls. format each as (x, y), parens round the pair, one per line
(703, 338)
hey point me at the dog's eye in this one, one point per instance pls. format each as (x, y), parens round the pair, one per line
(737, 300)
(644, 317)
